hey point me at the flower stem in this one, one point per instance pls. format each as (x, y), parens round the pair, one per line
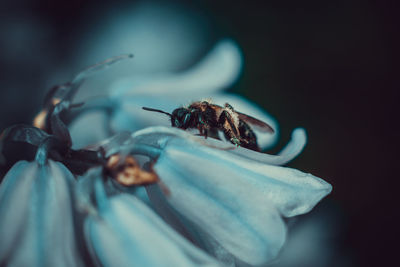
(43, 150)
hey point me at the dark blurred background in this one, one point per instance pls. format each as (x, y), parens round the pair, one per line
(328, 66)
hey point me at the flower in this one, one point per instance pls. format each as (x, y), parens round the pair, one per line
(122, 231)
(228, 202)
(37, 225)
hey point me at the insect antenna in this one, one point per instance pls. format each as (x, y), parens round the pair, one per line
(157, 110)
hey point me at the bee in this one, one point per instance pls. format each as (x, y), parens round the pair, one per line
(210, 118)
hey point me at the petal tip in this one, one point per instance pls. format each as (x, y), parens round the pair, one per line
(300, 134)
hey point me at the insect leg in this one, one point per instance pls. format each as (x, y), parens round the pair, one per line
(227, 125)
(187, 119)
(203, 124)
(205, 133)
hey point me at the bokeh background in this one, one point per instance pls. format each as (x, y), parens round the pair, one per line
(328, 66)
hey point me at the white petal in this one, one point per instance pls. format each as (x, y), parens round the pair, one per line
(14, 195)
(292, 192)
(247, 226)
(167, 213)
(158, 136)
(128, 233)
(162, 36)
(217, 71)
(292, 149)
(37, 227)
(295, 146)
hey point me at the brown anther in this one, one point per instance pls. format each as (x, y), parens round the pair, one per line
(128, 172)
(55, 101)
(40, 120)
(112, 162)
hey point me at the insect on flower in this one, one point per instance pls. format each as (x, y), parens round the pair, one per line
(210, 118)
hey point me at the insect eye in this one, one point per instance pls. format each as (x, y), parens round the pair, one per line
(177, 123)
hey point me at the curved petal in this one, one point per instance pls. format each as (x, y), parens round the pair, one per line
(128, 233)
(14, 193)
(292, 149)
(252, 231)
(217, 71)
(158, 136)
(37, 227)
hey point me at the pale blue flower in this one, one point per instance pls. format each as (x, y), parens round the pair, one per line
(229, 202)
(121, 230)
(37, 226)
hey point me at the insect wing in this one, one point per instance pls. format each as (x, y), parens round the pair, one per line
(258, 125)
